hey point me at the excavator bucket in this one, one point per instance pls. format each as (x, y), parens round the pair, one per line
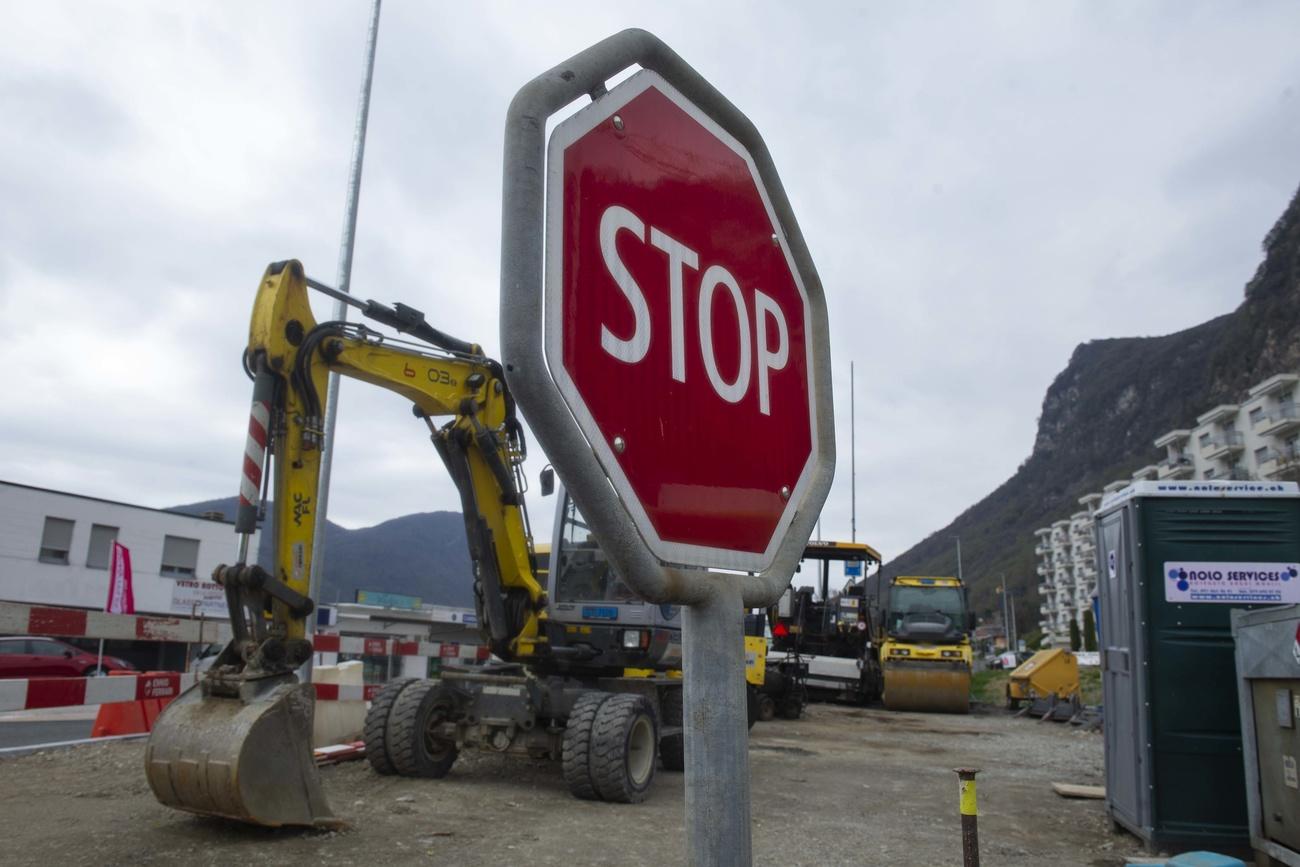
(247, 758)
(928, 687)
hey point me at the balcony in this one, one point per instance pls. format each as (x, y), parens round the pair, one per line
(1176, 466)
(1176, 438)
(1224, 412)
(1282, 419)
(1274, 462)
(1223, 444)
(1147, 474)
(1238, 474)
(1042, 548)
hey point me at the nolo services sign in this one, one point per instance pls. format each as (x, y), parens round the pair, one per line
(1237, 583)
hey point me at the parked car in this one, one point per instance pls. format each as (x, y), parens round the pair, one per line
(29, 656)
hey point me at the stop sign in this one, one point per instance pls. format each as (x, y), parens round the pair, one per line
(678, 326)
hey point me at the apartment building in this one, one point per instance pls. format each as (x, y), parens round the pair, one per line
(1257, 439)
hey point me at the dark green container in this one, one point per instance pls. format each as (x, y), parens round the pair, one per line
(1174, 558)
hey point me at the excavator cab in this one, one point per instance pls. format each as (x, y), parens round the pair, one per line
(592, 607)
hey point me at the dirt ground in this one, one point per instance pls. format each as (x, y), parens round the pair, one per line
(840, 786)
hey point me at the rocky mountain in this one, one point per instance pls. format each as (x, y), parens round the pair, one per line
(421, 555)
(1102, 413)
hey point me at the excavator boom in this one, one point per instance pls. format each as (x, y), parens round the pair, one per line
(238, 744)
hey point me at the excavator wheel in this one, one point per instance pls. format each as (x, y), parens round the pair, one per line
(376, 729)
(766, 708)
(672, 748)
(624, 745)
(415, 746)
(576, 751)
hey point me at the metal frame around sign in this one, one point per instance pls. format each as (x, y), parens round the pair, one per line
(568, 132)
(523, 269)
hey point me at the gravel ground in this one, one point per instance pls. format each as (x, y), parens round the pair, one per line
(840, 786)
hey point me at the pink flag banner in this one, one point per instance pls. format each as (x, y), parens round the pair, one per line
(120, 598)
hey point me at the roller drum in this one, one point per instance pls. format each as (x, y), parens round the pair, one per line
(938, 687)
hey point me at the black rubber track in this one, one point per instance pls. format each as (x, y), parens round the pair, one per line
(611, 737)
(406, 729)
(576, 752)
(672, 748)
(375, 732)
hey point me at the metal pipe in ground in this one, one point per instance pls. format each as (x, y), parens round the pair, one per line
(717, 746)
(970, 842)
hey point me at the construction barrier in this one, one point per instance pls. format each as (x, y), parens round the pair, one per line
(117, 718)
(48, 692)
(45, 692)
(398, 647)
(19, 619)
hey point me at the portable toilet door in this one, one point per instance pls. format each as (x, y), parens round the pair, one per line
(1127, 778)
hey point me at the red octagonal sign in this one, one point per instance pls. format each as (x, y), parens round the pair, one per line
(678, 327)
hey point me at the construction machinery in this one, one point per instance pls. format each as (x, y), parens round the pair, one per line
(926, 654)
(833, 636)
(585, 667)
(1047, 684)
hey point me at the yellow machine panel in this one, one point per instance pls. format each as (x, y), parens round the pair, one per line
(1046, 673)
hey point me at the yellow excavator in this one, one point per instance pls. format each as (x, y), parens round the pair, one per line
(926, 655)
(238, 744)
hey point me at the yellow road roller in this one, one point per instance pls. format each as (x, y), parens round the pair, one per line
(926, 654)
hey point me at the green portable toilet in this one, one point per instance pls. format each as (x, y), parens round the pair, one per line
(1174, 558)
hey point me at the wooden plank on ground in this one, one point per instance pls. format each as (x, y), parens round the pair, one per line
(1070, 790)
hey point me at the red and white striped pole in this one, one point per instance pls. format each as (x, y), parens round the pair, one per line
(255, 450)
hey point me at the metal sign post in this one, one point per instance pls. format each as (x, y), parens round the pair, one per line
(681, 384)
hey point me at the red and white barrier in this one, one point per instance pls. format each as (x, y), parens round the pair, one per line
(19, 619)
(47, 692)
(44, 692)
(342, 692)
(398, 647)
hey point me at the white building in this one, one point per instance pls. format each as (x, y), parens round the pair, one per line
(1258, 438)
(54, 550)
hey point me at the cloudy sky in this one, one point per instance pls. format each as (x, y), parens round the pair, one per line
(983, 186)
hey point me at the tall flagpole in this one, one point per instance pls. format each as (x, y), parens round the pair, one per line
(853, 460)
(343, 283)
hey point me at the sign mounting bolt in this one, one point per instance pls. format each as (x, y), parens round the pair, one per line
(785, 492)
(776, 242)
(619, 444)
(618, 123)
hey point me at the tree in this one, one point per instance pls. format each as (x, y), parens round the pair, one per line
(1074, 634)
(1034, 640)
(1089, 631)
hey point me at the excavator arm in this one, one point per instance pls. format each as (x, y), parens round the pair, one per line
(479, 440)
(238, 745)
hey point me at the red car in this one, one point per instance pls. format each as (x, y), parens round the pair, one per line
(28, 656)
